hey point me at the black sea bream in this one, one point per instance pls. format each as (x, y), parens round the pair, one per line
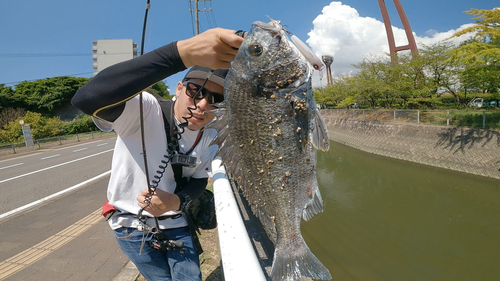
(270, 130)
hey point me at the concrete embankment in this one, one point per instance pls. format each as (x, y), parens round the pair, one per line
(474, 151)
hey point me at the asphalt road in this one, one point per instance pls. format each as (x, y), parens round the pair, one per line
(31, 177)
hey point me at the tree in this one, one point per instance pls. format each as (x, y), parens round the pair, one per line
(442, 73)
(47, 95)
(41, 127)
(7, 99)
(10, 114)
(480, 56)
(161, 89)
(81, 124)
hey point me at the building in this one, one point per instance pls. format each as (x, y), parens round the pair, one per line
(111, 51)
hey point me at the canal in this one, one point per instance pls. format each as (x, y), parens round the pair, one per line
(387, 219)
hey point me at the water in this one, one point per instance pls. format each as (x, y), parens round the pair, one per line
(387, 219)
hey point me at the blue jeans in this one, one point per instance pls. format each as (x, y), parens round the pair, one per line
(156, 265)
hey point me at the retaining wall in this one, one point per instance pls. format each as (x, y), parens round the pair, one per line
(474, 151)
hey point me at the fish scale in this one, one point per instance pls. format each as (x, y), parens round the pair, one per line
(270, 130)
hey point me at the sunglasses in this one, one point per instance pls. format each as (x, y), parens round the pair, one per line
(198, 93)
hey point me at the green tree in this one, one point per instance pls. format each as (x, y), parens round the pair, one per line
(161, 89)
(7, 99)
(480, 56)
(45, 96)
(41, 127)
(81, 124)
(442, 74)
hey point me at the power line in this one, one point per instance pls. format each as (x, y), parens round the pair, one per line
(39, 55)
(43, 55)
(76, 74)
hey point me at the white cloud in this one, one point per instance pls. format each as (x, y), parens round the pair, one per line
(341, 32)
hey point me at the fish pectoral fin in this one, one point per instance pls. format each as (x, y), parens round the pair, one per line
(314, 206)
(319, 133)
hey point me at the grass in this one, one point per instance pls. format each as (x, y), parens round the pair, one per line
(472, 118)
(462, 118)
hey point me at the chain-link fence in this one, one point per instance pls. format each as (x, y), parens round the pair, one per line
(472, 119)
(53, 142)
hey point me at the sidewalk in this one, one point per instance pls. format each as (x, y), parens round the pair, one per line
(66, 239)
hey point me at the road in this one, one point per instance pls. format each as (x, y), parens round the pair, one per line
(50, 222)
(34, 176)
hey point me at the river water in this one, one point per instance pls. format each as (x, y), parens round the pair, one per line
(387, 219)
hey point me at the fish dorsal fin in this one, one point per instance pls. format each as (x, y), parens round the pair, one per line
(319, 133)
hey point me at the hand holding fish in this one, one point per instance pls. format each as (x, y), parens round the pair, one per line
(214, 48)
(161, 202)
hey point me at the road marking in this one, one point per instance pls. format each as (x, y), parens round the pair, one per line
(54, 196)
(102, 144)
(55, 166)
(20, 261)
(85, 143)
(11, 166)
(20, 157)
(79, 149)
(43, 158)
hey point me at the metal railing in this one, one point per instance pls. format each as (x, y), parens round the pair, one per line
(473, 119)
(51, 142)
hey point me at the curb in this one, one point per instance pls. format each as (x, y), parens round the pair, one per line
(128, 273)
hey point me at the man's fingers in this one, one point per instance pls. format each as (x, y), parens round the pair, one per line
(231, 38)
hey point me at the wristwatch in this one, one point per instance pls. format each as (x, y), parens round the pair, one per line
(185, 202)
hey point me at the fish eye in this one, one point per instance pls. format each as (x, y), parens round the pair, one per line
(255, 49)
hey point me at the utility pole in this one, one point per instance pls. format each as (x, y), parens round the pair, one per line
(196, 16)
(196, 19)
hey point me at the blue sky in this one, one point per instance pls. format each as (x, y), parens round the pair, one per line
(42, 39)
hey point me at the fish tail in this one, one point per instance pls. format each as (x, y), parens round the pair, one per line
(292, 262)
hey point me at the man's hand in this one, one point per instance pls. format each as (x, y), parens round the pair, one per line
(161, 202)
(214, 48)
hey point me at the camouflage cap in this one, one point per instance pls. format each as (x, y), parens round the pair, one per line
(200, 72)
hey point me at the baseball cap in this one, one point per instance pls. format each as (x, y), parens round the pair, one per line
(201, 72)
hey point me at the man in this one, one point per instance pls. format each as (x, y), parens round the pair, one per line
(112, 99)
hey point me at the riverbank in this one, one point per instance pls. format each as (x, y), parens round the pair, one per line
(474, 151)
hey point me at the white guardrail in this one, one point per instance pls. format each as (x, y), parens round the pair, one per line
(239, 260)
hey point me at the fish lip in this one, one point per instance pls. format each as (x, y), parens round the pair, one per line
(273, 27)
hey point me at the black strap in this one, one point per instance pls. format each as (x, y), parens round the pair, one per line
(168, 118)
(167, 110)
(168, 113)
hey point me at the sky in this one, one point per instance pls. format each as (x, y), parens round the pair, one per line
(43, 39)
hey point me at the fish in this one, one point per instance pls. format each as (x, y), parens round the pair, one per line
(269, 132)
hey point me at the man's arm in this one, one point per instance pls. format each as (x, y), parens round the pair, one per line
(104, 96)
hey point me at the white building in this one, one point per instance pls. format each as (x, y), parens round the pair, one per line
(111, 51)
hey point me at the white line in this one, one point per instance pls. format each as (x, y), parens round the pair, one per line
(85, 143)
(55, 195)
(44, 169)
(102, 144)
(43, 158)
(20, 157)
(11, 166)
(79, 149)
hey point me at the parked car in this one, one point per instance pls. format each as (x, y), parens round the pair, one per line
(477, 102)
(480, 102)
